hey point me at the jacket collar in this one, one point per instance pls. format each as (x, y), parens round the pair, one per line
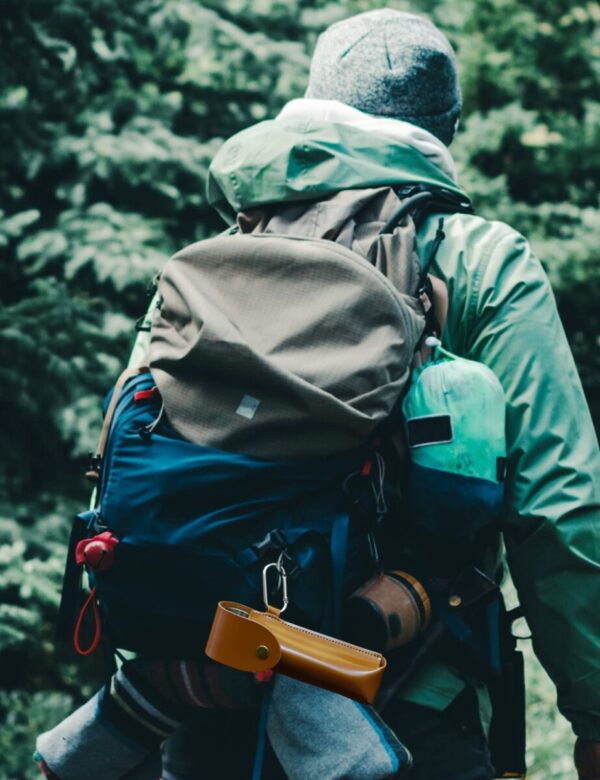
(419, 139)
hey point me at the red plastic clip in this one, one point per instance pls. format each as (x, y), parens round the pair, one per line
(264, 676)
(98, 553)
(145, 395)
(367, 468)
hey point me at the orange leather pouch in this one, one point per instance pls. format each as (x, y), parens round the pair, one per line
(253, 641)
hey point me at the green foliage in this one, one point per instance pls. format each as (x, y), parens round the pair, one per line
(110, 112)
(56, 348)
(39, 683)
(32, 556)
(550, 741)
(24, 715)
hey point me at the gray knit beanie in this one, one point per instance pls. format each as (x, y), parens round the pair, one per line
(389, 63)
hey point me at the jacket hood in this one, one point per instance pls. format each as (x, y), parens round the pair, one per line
(311, 152)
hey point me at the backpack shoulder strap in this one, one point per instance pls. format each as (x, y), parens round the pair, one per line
(419, 202)
(440, 301)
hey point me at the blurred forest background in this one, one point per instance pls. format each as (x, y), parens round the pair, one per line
(111, 111)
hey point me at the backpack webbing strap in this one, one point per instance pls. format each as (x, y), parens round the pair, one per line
(261, 736)
(425, 291)
(339, 552)
(71, 582)
(433, 296)
(435, 302)
(440, 301)
(93, 472)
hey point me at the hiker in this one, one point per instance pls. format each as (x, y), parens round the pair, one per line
(385, 80)
(382, 106)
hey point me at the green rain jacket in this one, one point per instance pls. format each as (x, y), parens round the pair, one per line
(502, 313)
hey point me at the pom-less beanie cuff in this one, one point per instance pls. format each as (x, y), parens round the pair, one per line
(443, 126)
(389, 63)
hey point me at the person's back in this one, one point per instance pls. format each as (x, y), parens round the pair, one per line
(382, 104)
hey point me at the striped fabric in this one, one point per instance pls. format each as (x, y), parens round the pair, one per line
(121, 728)
(148, 700)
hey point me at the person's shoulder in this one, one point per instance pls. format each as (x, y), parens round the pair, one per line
(480, 232)
(481, 259)
(485, 250)
(471, 242)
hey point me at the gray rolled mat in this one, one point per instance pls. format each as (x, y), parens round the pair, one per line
(81, 747)
(318, 734)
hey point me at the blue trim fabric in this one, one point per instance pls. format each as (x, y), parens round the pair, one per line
(452, 505)
(383, 732)
(261, 738)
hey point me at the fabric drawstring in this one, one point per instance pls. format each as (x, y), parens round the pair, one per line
(437, 241)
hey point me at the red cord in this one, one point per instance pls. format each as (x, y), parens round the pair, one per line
(91, 599)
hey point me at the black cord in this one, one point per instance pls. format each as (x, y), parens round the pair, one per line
(403, 209)
(439, 237)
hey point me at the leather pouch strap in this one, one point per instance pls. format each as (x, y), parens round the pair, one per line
(237, 641)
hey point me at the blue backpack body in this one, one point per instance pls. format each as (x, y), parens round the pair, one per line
(195, 525)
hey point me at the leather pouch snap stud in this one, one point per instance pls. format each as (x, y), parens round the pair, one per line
(262, 652)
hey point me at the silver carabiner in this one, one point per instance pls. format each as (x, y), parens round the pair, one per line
(283, 582)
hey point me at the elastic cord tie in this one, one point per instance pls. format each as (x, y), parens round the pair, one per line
(91, 599)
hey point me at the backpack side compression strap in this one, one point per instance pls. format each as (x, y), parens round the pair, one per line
(69, 600)
(93, 472)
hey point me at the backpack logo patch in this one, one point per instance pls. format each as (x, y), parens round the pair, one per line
(248, 406)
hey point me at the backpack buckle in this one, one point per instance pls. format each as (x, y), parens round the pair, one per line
(92, 473)
(273, 542)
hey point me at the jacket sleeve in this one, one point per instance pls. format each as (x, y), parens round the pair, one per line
(509, 321)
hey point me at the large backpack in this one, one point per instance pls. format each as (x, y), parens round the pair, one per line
(259, 431)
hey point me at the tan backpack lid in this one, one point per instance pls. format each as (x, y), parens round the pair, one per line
(278, 346)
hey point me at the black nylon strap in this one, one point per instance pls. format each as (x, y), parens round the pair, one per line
(69, 600)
